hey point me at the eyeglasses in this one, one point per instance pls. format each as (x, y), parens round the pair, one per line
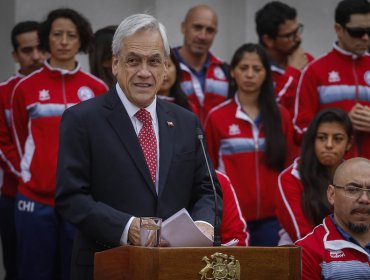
(357, 32)
(351, 191)
(291, 35)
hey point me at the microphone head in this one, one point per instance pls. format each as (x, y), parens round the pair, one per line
(199, 133)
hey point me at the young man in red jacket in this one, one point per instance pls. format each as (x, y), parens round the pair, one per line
(280, 33)
(27, 54)
(341, 78)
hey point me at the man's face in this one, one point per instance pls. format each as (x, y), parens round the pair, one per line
(141, 66)
(28, 54)
(288, 38)
(352, 212)
(199, 29)
(351, 43)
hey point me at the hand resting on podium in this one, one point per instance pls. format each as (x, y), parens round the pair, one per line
(134, 232)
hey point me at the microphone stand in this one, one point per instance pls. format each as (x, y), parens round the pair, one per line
(217, 223)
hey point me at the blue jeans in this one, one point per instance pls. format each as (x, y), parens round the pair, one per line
(264, 232)
(44, 241)
(8, 236)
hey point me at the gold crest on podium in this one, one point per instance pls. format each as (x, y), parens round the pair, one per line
(220, 267)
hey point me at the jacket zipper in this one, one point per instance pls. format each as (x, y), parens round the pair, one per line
(356, 80)
(64, 92)
(258, 189)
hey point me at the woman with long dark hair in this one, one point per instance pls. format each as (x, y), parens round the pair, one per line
(233, 225)
(301, 202)
(100, 54)
(250, 138)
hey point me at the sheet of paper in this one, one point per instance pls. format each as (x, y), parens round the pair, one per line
(180, 231)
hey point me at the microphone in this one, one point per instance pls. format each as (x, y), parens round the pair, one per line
(217, 224)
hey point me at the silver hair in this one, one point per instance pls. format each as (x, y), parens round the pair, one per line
(134, 23)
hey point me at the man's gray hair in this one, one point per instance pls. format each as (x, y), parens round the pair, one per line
(134, 23)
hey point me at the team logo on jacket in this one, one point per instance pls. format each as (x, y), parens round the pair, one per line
(44, 95)
(333, 77)
(234, 129)
(85, 93)
(367, 77)
(337, 254)
(219, 74)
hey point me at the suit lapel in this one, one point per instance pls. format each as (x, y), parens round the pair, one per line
(122, 125)
(166, 126)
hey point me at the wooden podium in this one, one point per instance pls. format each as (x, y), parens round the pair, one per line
(143, 263)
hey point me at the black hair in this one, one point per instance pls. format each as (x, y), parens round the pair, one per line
(22, 27)
(82, 25)
(346, 8)
(314, 176)
(270, 16)
(276, 147)
(101, 51)
(176, 91)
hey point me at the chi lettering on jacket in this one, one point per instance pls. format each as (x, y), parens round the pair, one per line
(26, 206)
(337, 254)
(234, 129)
(44, 95)
(333, 77)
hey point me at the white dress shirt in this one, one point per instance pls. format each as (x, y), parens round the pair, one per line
(131, 111)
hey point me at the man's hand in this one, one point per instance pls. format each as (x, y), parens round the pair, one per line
(298, 59)
(134, 232)
(206, 229)
(360, 117)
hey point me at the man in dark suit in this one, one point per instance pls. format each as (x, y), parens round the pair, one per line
(107, 178)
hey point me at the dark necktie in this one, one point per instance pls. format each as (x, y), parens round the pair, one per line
(148, 141)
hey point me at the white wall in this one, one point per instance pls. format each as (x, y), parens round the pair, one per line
(7, 10)
(236, 20)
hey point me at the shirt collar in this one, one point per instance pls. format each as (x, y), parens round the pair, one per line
(348, 53)
(132, 108)
(19, 74)
(61, 70)
(346, 236)
(240, 114)
(205, 65)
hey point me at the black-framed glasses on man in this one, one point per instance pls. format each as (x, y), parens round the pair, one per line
(357, 32)
(352, 191)
(291, 35)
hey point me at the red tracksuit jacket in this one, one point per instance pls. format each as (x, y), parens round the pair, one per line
(233, 223)
(288, 203)
(216, 87)
(286, 83)
(337, 79)
(327, 255)
(236, 147)
(38, 102)
(9, 160)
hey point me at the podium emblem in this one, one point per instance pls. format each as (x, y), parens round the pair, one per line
(220, 267)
